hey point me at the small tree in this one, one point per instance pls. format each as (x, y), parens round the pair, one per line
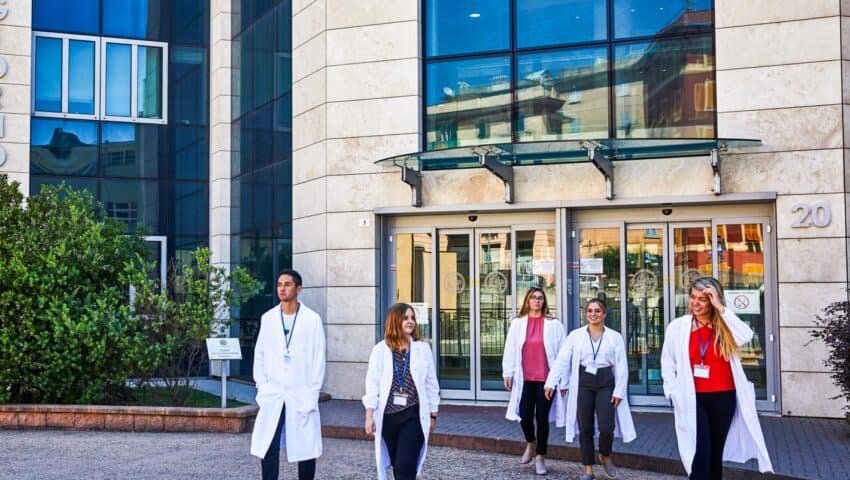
(835, 333)
(66, 330)
(194, 304)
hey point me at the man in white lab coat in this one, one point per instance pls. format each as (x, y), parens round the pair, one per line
(289, 367)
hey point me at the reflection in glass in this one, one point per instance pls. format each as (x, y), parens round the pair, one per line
(132, 18)
(132, 202)
(282, 214)
(191, 161)
(187, 73)
(555, 22)
(468, 102)
(149, 81)
(77, 183)
(118, 72)
(563, 95)
(79, 16)
(48, 74)
(254, 211)
(740, 268)
(283, 51)
(644, 308)
(691, 260)
(191, 215)
(466, 27)
(535, 266)
(262, 73)
(638, 18)
(80, 77)
(131, 150)
(599, 272)
(665, 88)
(63, 147)
(414, 275)
(453, 352)
(495, 304)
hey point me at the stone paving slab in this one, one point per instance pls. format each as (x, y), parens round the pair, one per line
(810, 448)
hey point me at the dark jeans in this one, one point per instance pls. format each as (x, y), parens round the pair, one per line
(594, 403)
(402, 433)
(271, 462)
(533, 405)
(715, 411)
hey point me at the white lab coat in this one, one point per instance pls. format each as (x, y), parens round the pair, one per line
(379, 378)
(553, 338)
(293, 381)
(567, 365)
(745, 439)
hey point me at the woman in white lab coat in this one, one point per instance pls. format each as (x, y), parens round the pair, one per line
(402, 396)
(713, 402)
(531, 346)
(593, 364)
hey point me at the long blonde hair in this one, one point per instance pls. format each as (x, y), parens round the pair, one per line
(724, 343)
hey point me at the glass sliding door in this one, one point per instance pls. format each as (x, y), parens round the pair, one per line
(740, 249)
(413, 276)
(495, 305)
(645, 312)
(598, 252)
(691, 259)
(535, 266)
(454, 337)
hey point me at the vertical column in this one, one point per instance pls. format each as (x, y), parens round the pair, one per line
(15, 90)
(221, 142)
(766, 91)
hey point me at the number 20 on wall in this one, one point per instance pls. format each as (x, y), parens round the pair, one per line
(818, 214)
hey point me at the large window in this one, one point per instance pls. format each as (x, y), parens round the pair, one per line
(541, 70)
(89, 78)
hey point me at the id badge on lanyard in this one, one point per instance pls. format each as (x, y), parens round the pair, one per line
(593, 368)
(287, 334)
(399, 397)
(702, 370)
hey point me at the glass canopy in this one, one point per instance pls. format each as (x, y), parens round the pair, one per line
(573, 151)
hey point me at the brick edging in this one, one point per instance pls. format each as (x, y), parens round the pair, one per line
(127, 418)
(666, 466)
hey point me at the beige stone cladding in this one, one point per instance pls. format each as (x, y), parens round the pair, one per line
(221, 140)
(15, 95)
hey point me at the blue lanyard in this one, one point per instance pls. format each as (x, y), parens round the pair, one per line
(287, 334)
(398, 377)
(595, 352)
(703, 348)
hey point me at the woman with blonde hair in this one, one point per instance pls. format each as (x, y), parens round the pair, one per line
(402, 396)
(714, 404)
(531, 346)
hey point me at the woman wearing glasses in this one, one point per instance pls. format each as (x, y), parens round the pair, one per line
(532, 344)
(593, 365)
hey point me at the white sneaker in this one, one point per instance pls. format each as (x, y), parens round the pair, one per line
(540, 466)
(527, 455)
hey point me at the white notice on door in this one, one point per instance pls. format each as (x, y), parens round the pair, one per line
(591, 265)
(743, 302)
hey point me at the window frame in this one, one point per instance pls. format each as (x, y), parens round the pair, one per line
(100, 44)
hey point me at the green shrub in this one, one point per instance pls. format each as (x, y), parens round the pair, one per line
(835, 333)
(66, 331)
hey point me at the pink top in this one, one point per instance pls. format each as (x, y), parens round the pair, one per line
(535, 366)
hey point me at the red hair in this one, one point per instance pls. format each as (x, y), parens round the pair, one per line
(394, 335)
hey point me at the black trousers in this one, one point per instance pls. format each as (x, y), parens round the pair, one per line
(715, 411)
(402, 433)
(271, 461)
(595, 408)
(533, 405)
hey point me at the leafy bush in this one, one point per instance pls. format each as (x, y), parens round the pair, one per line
(835, 333)
(66, 330)
(178, 319)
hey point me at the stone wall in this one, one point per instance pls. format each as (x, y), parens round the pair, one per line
(15, 95)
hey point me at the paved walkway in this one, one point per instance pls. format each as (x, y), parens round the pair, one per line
(809, 448)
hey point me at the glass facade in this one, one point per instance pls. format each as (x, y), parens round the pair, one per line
(262, 155)
(150, 166)
(541, 70)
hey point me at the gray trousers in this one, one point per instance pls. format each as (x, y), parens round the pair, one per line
(594, 403)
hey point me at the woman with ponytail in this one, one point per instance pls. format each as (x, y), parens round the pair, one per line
(713, 402)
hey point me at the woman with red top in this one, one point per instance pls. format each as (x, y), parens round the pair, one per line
(532, 344)
(713, 402)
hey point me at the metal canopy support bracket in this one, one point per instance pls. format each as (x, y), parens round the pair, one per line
(715, 169)
(413, 177)
(486, 157)
(602, 163)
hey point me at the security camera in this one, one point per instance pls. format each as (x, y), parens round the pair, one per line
(472, 218)
(666, 211)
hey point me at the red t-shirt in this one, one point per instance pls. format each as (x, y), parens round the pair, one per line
(535, 365)
(720, 371)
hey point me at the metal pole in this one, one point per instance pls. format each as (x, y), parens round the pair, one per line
(225, 364)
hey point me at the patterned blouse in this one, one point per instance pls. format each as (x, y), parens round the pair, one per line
(409, 386)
